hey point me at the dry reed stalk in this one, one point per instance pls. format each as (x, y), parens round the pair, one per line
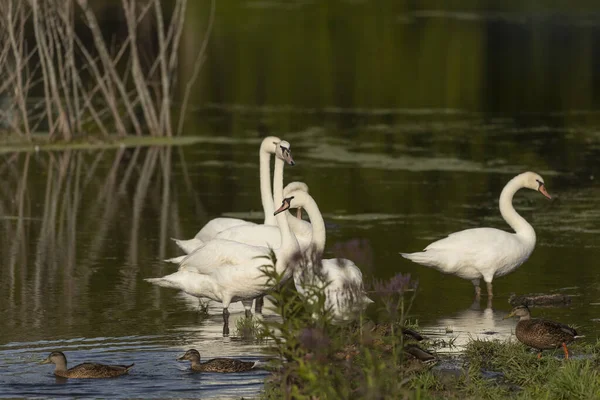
(56, 49)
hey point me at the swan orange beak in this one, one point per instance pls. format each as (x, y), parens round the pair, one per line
(288, 158)
(542, 190)
(285, 205)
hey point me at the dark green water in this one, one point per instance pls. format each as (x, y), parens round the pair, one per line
(405, 124)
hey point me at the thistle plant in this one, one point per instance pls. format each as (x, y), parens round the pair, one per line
(392, 295)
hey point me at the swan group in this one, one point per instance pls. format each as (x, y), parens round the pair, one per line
(225, 260)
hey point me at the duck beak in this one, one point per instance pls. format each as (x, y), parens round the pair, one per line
(46, 361)
(542, 190)
(182, 358)
(509, 315)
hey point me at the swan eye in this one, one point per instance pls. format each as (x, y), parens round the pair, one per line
(284, 150)
(540, 183)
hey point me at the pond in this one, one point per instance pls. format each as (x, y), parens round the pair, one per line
(399, 146)
(81, 230)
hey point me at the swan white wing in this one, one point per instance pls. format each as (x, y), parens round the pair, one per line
(189, 245)
(216, 225)
(219, 252)
(342, 270)
(256, 235)
(267, 235)
(481, 249)
(345, 293)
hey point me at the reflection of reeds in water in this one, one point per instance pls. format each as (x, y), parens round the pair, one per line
(70, 219)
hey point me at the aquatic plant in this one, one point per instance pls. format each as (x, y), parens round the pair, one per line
(329, 359)
(249, 328)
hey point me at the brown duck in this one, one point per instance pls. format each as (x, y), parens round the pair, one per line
(85, 370)
(217, 364)
(542, 334)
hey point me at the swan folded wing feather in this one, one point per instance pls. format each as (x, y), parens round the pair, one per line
(342, 269)
(217, 225)
(189, 245)
(474, 249)
(221, 252)
(257, 235)
(268, 235)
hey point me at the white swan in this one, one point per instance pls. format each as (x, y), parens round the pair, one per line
(227, 271)
(340, 277)
(270, 145)
(267, 235)
(486, 252)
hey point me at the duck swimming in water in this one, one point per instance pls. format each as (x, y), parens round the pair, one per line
(222, 365)
(85, 370)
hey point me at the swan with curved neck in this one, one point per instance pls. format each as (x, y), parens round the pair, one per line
(270, 145)
(227, 271)
(254, 234)
(344, 291)
(267, 235)
(487, 252)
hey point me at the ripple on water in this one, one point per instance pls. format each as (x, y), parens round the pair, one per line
(156, 373)
(452, 333)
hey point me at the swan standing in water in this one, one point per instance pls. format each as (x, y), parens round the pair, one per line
(226, 271)
(486, 252)
(270, 145)
(344, 291)
(255, 236)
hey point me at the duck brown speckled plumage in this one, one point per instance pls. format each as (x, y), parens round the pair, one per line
(542, 334)
(85, 370)
(216, 364)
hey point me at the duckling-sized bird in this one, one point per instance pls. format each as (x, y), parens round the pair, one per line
(85, 370)
(542, 334)
(216, 364)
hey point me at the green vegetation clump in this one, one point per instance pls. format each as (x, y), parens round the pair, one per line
(506, 369)
(370, 358)
(362, 358)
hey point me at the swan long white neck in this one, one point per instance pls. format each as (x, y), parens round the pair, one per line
(510, 215)
(266, 149)
(314, 253)
(289, 248)
(278, 181)
(318, 240)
